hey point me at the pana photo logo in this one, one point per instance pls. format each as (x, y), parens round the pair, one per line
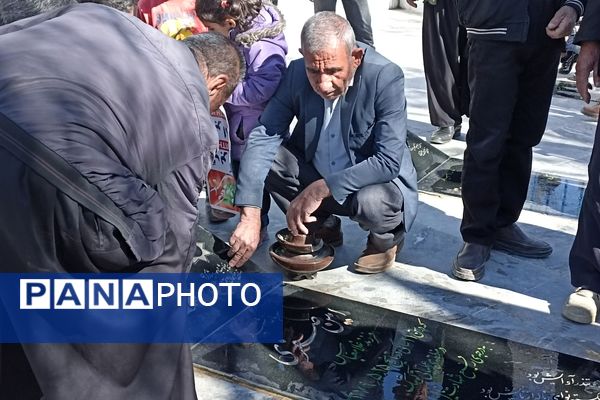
(133, 294)
(141, 308)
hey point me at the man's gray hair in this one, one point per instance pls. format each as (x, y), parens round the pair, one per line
(14, 10)
(218, 55)
(324, 26)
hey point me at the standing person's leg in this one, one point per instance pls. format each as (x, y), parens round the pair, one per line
(572, 53)
(324, 5)
(463, 81)
(536, 85)
(441, 61)
(494, 69)
(584, 260)
(359, 17)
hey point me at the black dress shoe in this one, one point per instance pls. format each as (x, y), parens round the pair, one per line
(470, 261)
(513, 240)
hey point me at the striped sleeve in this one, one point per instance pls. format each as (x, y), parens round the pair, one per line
(578, 5)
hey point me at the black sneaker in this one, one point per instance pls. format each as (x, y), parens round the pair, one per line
(567, 63)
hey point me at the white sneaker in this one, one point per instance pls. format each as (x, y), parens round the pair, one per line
(582, 306)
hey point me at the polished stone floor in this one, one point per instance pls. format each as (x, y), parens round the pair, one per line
(337, 349)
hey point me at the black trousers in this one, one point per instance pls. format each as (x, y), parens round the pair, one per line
(445, 61)
(584, 259)
(377, 208)
(511, 89)
(357, 14)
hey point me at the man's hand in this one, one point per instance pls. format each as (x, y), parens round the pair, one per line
(244, 239)
(412, 3)
(587, 62)
(304, 205)
(562, 23)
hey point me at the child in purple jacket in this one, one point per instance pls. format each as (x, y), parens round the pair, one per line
(257, 27)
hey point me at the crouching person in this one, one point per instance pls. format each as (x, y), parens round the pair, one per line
(346, 156)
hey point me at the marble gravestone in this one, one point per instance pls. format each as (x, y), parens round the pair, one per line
(337, 349)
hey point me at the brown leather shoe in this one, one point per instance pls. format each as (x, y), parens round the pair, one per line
(331, 231)
(374, 261)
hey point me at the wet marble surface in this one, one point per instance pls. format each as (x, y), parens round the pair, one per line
(334, 349)
(547, 194)
(517, 299)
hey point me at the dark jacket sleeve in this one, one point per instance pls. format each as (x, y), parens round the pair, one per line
(180, 192)
(590, 26)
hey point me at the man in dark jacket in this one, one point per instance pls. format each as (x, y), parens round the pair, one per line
(347, 154)
(514, 51)
(128, 109)
(583, 305)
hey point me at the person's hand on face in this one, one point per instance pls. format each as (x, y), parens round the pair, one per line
(216, 86)
(223, 28)
(331, 70)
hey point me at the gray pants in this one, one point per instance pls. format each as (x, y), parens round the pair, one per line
(445, 52)
(357, 13)
(377, 208)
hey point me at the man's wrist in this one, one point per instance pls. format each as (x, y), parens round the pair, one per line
(321, 189)
(250, 213)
